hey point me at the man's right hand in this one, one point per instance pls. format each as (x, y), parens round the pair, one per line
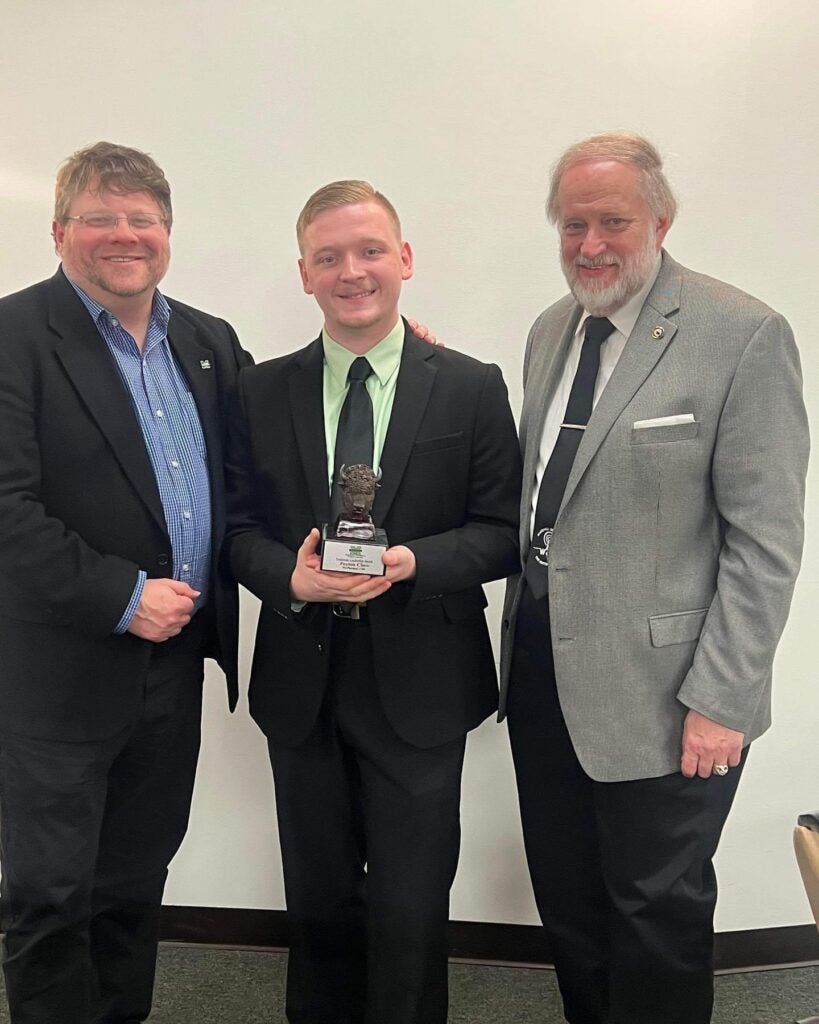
(309, 583)
(165, 609)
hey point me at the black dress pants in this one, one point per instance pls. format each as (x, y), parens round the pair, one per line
(370, 833)
(622, 872)
(87, 830)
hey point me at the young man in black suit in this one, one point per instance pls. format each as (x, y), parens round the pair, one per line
(367, 685)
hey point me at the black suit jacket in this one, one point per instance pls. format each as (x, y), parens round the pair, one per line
(449, 491)
(80, 511)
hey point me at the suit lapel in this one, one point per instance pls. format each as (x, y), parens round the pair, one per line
(306, 390)
(651, 336)
(91, 368)
(199, 368)
(416, 376)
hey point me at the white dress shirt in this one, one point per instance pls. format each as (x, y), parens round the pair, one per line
(624, 320)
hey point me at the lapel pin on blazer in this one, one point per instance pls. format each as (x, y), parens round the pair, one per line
(658, 332)
(205, 364)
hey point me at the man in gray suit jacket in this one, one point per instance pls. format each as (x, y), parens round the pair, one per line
(665, 445)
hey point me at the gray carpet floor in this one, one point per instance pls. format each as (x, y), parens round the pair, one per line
(208, 986)
(200, 985)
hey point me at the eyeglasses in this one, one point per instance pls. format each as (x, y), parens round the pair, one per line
(109, 221)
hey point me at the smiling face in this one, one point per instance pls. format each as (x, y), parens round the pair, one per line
(115, 266)
(609, 238)
(353, 262)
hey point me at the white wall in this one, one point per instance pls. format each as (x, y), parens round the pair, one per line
(456, 110)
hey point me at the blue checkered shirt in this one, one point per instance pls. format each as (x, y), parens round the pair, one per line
(174, 440)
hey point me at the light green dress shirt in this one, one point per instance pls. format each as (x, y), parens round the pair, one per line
(385, 359)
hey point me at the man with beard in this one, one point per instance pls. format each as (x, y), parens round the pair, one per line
(111, 591)
(665, 445)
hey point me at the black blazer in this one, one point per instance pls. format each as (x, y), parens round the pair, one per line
(449, 491)
(80, 511)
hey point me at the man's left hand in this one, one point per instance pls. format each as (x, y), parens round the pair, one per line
(400, 563)
(706, 743)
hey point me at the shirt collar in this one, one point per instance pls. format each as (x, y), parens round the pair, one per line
(160, 310)
(626, 316)
(383, 357)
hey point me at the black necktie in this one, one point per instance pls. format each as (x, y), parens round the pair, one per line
(556, 474)
(354, 439)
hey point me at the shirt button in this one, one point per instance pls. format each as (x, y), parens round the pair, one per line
(186, 515)
(162, 560)
(160, 413)
(175, 464)
(185, 567)
(114, 321)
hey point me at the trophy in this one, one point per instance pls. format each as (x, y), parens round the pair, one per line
(355, 544)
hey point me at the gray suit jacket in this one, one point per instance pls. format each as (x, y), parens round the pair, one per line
(677, 546)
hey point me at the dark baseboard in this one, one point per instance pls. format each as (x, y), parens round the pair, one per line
(472, 940)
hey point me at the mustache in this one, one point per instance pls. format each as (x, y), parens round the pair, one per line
(603, 260)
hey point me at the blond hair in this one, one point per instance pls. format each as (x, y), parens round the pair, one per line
(342, 193)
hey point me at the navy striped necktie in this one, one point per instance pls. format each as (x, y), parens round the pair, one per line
(556, 474)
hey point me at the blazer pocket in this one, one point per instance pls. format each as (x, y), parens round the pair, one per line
(463, 604)
(676, 628)
(438, 444)
(664, 433)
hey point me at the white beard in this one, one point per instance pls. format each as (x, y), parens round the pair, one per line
(602, 300)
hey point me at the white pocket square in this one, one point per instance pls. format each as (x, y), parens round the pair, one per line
(664, 421)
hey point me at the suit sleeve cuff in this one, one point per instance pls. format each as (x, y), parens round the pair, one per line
(133, 604)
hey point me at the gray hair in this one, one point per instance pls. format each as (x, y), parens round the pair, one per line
(627, 148)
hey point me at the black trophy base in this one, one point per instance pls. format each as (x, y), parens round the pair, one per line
(350, 554)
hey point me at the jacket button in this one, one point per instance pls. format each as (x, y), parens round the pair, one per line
(162, 560)
(506, 623)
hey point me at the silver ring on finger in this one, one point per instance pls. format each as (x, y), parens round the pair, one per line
(720, 769)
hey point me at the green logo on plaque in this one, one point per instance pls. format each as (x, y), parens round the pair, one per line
(356, 550)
